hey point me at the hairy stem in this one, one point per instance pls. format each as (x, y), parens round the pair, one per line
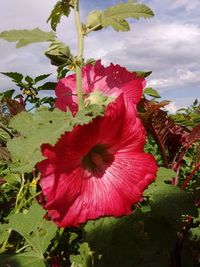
(79, 56)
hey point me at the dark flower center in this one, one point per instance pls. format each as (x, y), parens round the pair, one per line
(97, 159)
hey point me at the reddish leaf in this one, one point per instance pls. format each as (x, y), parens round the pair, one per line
(166, 132)
(12, 106)
(193, 136)
(4, 155)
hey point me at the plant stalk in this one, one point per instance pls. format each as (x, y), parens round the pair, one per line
(79, 60)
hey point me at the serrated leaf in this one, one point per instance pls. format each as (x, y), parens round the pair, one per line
(164, 130)
(29, 79)
(42, 127)
(115, 16)
(26, 37)
(47, 86)
(15, 76)
(120, 25)
(151, 92)
(41, 77)
(62, 8)
(87, 114)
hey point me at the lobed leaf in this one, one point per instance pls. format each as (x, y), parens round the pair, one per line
(37, 232)
(26, 37)
(115, 16)
(42, 127)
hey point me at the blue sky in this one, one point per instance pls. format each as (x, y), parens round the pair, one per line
(168, 44)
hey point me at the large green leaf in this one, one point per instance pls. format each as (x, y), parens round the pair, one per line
(26, 37)
(26, 259)
(37, 232)
(42, 127)
(115, 16)
(167, 200)
(61, 8)
(130, 241)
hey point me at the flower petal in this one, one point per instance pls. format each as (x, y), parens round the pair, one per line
(112, 81)
(74, 194)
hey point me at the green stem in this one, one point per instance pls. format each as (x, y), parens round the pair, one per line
(3, 248)
(92, 29)
(79, 56)
(19, 193)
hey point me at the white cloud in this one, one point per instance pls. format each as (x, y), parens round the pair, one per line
(171, 108)
(188, 5)
(186, 75)
(170, 48)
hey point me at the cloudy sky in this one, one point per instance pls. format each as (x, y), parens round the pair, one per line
(168, 44)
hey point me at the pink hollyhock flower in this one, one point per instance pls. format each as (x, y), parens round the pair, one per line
(111, 81)
(98, 169)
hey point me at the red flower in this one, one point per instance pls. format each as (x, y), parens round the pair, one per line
(111, 81)
(98, 169)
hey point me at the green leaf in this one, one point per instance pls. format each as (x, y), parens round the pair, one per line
(12, 178)
(143, 74)
(47, 86)
(15, 76)
(41, 77)
(171, 203)
(167, 200)
(132, 240)
(36, 129)
(87, 114)
(115, 16)
(37, 231)
(26, 37)
(62, 8)
(163, 175)
(84, 258)
(26, 259)
(151, 92)
(29, 79)
(59, 54)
